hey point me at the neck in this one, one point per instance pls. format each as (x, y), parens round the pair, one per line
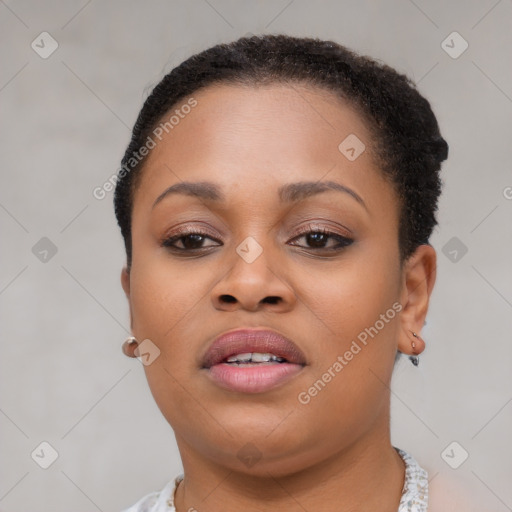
(368, 475)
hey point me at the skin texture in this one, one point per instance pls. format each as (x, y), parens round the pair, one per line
(333, 453)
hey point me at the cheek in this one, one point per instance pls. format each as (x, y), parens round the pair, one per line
(353, 307)
(349, 404)
(351, 296)
(164, 297)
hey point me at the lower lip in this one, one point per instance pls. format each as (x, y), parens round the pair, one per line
(253, 379)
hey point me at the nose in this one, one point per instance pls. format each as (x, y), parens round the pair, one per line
(254, 286)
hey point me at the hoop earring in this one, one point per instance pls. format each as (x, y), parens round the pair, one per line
(415, 360)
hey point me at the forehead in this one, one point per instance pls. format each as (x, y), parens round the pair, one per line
(289, 121)
(255, 137)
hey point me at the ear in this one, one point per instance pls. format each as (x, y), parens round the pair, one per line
(418, 278)
(125, 283)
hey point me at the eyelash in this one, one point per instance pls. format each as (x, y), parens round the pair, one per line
(342, 240)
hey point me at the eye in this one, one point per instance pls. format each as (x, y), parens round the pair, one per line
(190, 240)
(317, 238)
(320, 238)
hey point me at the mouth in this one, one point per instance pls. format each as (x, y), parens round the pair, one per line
(252, 360)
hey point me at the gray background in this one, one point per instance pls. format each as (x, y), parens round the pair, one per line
(66, 121)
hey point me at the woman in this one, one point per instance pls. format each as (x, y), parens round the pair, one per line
(276, 202)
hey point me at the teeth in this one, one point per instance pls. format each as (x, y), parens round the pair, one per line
(261, 358)
(242, 358)
(255, 357)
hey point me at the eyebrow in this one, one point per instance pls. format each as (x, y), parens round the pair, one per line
(288, 193)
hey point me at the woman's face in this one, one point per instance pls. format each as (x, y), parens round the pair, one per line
(337, 297)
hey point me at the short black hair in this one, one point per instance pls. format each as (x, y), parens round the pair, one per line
(405, 131)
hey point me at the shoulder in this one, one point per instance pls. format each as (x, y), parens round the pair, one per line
(145, 504)
(458, 493)
(447, 490)
(157, 501)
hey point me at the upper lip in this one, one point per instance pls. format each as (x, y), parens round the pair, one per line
(241, 341)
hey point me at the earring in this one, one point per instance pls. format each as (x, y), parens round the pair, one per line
(129, 341)
(415, 360)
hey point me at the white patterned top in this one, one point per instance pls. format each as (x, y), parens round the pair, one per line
(414, 493)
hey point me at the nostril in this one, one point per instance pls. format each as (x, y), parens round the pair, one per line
(227, 298)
